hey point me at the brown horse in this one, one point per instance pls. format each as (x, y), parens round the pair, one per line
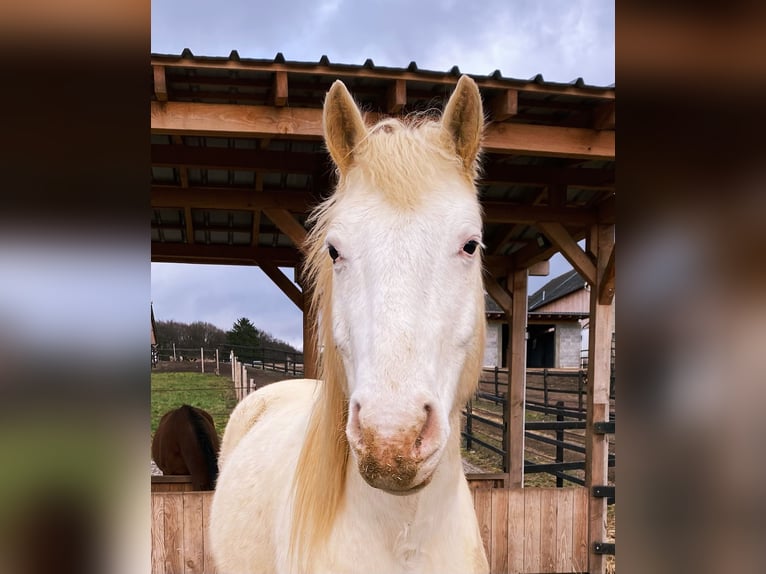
(186, 443)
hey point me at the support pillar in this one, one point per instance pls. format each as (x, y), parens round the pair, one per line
(601, 245)
(517, 379)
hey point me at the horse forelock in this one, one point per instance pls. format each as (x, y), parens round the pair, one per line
(404, 160)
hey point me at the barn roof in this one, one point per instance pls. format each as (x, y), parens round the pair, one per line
(556, 288)
(237, 158)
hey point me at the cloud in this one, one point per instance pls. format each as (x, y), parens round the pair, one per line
(220, 295)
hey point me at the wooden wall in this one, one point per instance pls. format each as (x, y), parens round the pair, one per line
(530, 530)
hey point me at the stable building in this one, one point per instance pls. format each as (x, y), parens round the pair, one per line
(556, 315)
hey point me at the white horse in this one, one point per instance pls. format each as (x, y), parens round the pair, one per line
(361, 472)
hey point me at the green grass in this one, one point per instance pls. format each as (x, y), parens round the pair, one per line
(212, 393)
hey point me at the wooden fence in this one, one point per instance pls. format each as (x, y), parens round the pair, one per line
(525, 530)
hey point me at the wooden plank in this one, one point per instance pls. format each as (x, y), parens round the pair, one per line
(498, 560)
(173, 535)
(280, 88)
(516, 530)
(580, 530)
(158, 533)
(160, 86)
(564, 528)
(235, 120)
(193, 534)
(505, 105)
(209, 565)
(517, 378)
(396, 96)
(570, 250)
(532, 500)
(482, 502)
(548, 541)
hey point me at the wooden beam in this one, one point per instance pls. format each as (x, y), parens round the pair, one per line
(503, 212)
(183, 173)
(283, 282)
(257, 212)
(557, 195)
(224, 254)
(396, 96)
(288, 225)
(599, 373)
(331, 72)
(607, 211)
(553, 141)
(232, 120)
(540, 269)
(227, 198)
(603, 116)
(498, 293)
(496, 172)
(189, 225)
(606, 290)
(160, 86)
(505, 105)
(238, 158)
(280, 88)
(517, 379)
(570, 250)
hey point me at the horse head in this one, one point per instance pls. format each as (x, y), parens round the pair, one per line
(401, 245)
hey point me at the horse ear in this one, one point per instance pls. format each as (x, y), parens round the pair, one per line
(343, 125)
(463, 119)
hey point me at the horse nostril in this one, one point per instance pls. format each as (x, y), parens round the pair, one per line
(356, 426)
(427, 431)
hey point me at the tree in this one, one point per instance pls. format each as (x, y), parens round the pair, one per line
(244, 334)
(185, 336)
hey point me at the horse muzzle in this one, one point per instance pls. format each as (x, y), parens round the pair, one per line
(399, 459)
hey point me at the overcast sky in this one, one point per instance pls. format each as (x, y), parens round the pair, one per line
(560, 39)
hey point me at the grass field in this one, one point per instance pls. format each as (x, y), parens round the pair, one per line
(212, 393)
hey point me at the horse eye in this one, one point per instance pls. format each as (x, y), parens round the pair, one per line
(333, 253)
(470, 247)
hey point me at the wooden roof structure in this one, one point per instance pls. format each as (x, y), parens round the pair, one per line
(237, 163)
(238, 160)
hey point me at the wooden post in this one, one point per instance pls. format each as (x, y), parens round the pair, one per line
(217, 364)
(599, 363)
(174, 352)
(231, 363)
(243, 380)
(202, 358)
(560, 439)
(517, 380)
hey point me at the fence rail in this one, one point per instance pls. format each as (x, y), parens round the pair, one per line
(558, 445)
